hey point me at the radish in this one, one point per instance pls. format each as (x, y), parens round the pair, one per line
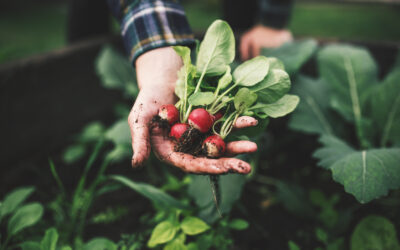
(217, 116)
(201, 120)
(178, 129)
(168, 113)
(214, 146)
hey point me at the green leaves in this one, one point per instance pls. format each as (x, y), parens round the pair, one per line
(217, 50)
(244, 98)
(14, 199)
(193, 225)
(293, 54)
(238, 224)
(162, 233)
(374, 232)
(24, 217)
(201, 98)
(280, 108)
(116, 72)
(224, 81)
(350, 71)
(150, 192)
(100, 243)
(314, 106)
(366, 174)
(251, 72)
(273, 87)
(49, 241)
(385, 102)
(168, 231)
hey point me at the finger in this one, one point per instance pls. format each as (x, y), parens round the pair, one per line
(245, 121)
(244, 48)
(255, 50)
(240, 147)
(138, 122)
(164, 150)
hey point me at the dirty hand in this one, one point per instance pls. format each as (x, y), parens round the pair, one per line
(156, 72)
(260, 37)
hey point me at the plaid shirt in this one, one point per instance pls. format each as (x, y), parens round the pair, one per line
(150, 24)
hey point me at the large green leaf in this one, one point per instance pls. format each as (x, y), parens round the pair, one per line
(251, 72)
(24, 217)
(230, 191)
(366, 174)
(217, 49)
(150, 192)
(14, 199)
(312, 115)
(373, 233)
(163, 232)
(293, 54)
(49, 241)
(385, 101)
(100, 244)
(119, 133)
(193, 225)
(116, 72)
(351, 71)
(273, 87)
(280, 108)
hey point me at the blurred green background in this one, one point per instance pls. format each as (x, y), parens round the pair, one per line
(35, 28)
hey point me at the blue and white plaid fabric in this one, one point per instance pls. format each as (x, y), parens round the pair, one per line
(150, 24)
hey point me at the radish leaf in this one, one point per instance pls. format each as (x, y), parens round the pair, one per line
(273, 87)
(251, 72)
(201, 98)
(217, 50)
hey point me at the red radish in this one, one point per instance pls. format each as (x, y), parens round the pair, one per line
(200, 119)
(178, 129)
(214, 146)
(217, 116)
(169, 113)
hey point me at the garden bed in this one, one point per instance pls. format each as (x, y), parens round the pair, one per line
(46, 100)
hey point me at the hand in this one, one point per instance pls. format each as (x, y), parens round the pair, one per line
(260, 37)
(164, 149)
(156, 73)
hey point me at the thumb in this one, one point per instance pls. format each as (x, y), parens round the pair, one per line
(139, 120)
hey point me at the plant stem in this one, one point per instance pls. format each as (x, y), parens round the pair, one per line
(355, 103)
(222, 95)
(195, 91)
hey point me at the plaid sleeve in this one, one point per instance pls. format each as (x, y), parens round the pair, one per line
(274, 13)
(150, 24)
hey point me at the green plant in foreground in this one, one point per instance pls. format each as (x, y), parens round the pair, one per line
(20, 215)
(348, 92)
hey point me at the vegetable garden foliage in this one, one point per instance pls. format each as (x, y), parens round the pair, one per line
(356, 115)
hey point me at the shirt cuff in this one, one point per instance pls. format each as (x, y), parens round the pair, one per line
(154, 24)
(274, 14)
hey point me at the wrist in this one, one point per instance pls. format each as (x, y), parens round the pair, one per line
(158, 68)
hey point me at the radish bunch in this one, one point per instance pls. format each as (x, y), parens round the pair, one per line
(212, 95)
(200, 120)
